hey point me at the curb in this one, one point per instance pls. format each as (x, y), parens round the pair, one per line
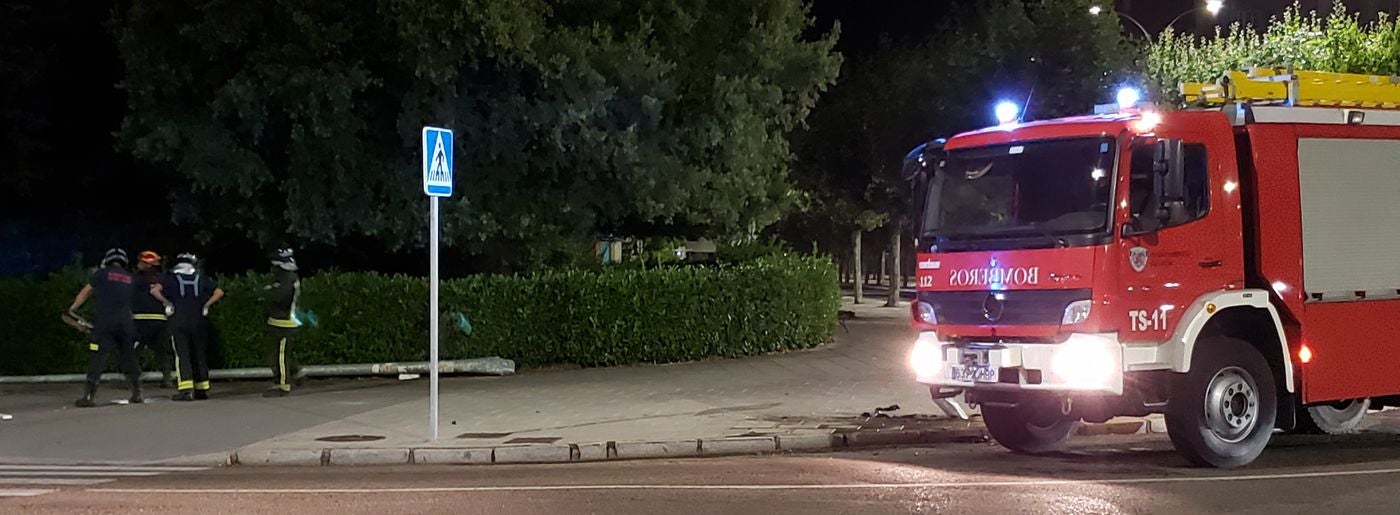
(635, 450)
(602, 451)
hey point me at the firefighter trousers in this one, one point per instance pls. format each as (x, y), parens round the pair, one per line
(279, 357)
(118, 338)
(191, 357)
(155, 335)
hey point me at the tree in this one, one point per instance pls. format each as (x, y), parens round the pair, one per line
(1337, 43)
(300, 120)
(908, 92)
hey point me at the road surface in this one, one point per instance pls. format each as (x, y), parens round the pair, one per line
(1109, 474)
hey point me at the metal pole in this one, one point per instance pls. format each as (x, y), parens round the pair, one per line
(433, 323)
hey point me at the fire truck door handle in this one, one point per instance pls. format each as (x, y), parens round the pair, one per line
(1210, 263)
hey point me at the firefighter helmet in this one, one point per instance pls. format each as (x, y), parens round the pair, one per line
(114, 256)
(285, 259)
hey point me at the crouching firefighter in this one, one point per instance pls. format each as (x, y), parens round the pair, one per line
(112, 326)
(282, 322)
(190, 294)
(152, 315)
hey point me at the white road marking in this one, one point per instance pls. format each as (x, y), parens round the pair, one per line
(23, 492)
(72, 475)
(47, 473)
(57, 481)
(839, 486)
(104, 468)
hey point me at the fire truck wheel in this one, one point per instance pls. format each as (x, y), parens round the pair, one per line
(1221, 414)
(1337, 418)
(1030, 428)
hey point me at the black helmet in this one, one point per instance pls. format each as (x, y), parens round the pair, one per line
(117, 256)
(284, 259)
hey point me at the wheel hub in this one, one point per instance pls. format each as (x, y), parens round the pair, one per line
(1231, 404)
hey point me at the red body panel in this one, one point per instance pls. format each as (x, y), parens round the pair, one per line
(1356, 345)
(1189, 260)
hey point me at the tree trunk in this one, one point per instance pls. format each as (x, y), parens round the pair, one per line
(893, 299)
(856, 272)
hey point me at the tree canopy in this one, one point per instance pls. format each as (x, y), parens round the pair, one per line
(299, 121)
(909, 92)
(1337, 42)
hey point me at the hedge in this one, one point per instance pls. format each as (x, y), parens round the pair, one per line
(590, 318)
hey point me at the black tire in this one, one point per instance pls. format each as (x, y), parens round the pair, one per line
(1338, 418)
(1222, 412)
(1029, 428)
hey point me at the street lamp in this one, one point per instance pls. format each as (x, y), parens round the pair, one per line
(1212, 6)
(1096, 10)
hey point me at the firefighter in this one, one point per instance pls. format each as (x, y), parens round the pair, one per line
(151, 315)
(190, 294)
(112, 326)
(282, 322)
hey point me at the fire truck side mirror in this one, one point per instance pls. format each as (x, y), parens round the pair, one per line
(1169, 185)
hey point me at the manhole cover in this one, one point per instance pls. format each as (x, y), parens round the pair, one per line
(483, 435)
(535, 439)
(350, 438)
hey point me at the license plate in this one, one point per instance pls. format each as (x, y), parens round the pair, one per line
(976, 373)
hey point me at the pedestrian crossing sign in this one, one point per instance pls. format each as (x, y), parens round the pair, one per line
(437, 162)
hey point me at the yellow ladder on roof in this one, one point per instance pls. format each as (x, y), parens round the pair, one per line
(1296, 87)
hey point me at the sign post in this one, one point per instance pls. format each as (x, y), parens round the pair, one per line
(437, 182)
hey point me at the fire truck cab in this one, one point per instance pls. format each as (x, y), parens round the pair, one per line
(1236, 267)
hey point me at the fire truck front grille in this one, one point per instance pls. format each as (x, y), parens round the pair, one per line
(1017, 307)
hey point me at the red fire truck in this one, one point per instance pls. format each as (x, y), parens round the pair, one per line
(1234, 266)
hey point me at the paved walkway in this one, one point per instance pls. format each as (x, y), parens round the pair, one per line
(817, 391)
(809, 392)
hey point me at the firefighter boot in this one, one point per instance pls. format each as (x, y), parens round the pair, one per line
(183, 396)
(136, 396)
(87, 401)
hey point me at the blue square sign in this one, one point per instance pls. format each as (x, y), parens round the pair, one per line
(437, 162)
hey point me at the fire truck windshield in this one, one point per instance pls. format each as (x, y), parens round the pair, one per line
(1045, 189)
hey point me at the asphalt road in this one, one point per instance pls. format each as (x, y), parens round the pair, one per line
(1112, 474)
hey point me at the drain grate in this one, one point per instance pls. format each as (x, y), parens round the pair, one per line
(535, 439)
(350, 438)
(484, 435)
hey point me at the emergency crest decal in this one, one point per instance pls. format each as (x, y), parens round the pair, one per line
(1137, 257)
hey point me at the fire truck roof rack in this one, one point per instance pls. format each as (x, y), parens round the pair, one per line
(1284, 95)
(1296, 88)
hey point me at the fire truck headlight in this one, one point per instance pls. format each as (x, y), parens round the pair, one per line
(1077, 312)
(927, 356)
(1084, 362)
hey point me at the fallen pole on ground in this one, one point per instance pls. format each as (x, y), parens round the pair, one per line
(492, 366)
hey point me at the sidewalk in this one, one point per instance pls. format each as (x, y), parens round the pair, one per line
(816, 392)
(808, 395)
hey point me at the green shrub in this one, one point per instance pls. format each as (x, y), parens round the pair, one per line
(591, 318)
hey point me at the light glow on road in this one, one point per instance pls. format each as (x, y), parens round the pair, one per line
(1111, 480)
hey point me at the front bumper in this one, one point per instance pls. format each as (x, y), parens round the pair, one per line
(1084, 363)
